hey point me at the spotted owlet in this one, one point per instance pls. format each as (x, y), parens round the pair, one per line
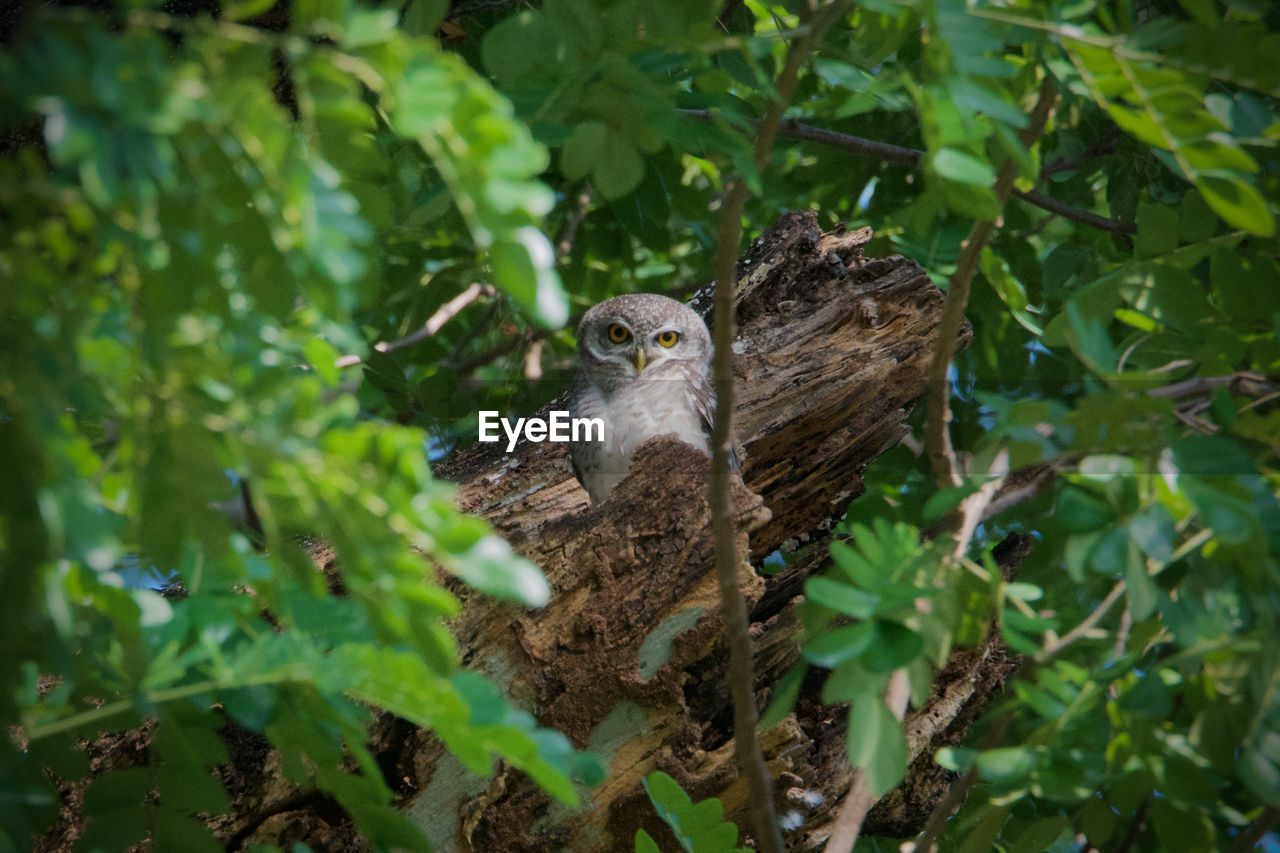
(644, 368)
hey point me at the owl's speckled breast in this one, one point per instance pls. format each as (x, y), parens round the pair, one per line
(632, 414)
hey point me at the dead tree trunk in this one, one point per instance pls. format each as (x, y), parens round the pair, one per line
(627, 659)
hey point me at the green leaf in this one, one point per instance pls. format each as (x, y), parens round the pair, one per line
(893, 647)
(962, 167)
(1089, 339)
(645, 843)
(1023, 591)
(944, 501)
(1182, 828)
(981, 839)
(1006, 765)
(877, 744)
(118, 789)
(1262, 775)
(956, 759)
(1196, 221)
(322, 356)
(1167, 294)
(423, 17)
(1232, 519)
(1150, 696)
(1152, 528)
(118, 829)
(666, 795)
(698, 827)
(172, 831)
(583, 149)
(1238, 203)
(858, 569)
(841, 644)
(1157, 229)
(1233, 274)
(525, 267)
(1081, 512)
(1142, 590)
(785, 693)
(618, 167)
(1040, 835)
(238, 11)
(1010, 289)
(492, 567)
(841, 597)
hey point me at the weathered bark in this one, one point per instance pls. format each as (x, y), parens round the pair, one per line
(627, 659)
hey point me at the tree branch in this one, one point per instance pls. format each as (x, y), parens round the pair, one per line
(727, 556)
(912, 157)
(434, 324)
(955, 795)
(1093, 152)
(859, 800)
(572, 221)
(1075, 214)
(937, 437)
(1254, 832)
(1056, 644)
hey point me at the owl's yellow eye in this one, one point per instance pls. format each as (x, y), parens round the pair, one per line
(618, 333)
(667, 339)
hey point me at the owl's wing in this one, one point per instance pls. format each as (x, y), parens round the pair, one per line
(704, 402)
(579, 400)
(573, 463)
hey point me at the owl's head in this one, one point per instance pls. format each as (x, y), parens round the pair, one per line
(642, 335)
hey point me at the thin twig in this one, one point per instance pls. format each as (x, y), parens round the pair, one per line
(436, 321)
(434, 324)
(1093, 152)
(504, 347)
(533, 361)
(1076, 214)
(534, 337)
(1135, 826)
(1253, 833)
(727, 557)
(913, 157)
(1024, 484)
(1261, 401)
(1200, 384)
(955, 795)
(937, 436)
(572, 220)
(974, 507)
(1053, 645)
(860, 799)
(942, 810)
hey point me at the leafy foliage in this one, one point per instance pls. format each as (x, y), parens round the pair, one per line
(210, 220)
(697, 826)
(209, 257)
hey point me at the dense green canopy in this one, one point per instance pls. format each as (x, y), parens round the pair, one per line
(289, 251)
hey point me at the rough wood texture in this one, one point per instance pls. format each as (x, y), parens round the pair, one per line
(627, 658)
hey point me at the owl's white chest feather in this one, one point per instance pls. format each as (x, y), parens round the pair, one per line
(633, 414)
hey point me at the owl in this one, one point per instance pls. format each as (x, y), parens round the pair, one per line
(644, 369)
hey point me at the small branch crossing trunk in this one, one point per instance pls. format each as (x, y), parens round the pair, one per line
(628, 658)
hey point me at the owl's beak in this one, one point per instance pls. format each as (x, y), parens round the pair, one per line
(639, 360)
